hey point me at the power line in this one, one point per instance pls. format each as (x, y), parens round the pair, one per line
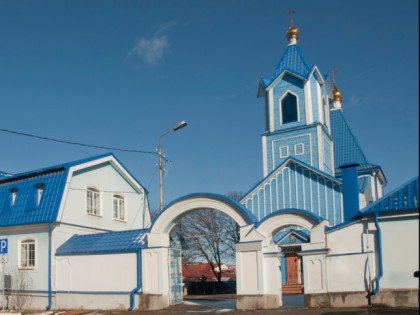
(77, 143)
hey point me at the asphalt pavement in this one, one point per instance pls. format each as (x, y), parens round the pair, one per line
(221, 304)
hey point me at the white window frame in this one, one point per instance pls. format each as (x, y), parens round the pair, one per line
(14, 192)
(119, 207)
(281, 149)
(40, 191)
(297, 107)
(302, 151)
(31, 242)
(94, 207)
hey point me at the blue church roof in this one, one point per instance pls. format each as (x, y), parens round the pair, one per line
(103, 243)
(346, 147)
(292, 61)
(25, 209)
(403, 198)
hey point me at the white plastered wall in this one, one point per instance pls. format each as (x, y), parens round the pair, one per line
(351, 262)
(96, 273)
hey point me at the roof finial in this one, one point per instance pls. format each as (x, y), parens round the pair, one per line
(291, 16)
(337, 95)
(292, 33)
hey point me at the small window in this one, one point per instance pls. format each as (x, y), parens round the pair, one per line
(40, 191)
(299, 149)
(93, 202)
(27, 254)
(119, 208)
(14, 192)
(289, 109)
(284, 151)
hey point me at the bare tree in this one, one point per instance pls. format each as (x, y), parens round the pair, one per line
(208, 235)
(21, 283)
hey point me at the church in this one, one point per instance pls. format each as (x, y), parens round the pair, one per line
(306, 147)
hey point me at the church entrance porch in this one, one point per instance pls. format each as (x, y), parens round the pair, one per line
(293, 264)
(290, 240)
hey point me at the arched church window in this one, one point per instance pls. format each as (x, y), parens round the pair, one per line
(289, 109)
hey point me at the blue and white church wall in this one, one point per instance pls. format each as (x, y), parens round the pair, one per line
(295, 185)
(297, 108)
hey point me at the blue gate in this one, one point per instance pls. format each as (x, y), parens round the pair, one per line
(176, 276)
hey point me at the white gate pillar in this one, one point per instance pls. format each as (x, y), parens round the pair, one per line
(258, 274)
(155, 273)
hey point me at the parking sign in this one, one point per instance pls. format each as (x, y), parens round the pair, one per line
(3, 246)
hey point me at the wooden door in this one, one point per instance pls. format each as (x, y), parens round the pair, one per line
(292, 268)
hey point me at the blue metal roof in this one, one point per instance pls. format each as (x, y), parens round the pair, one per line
(403, 198)
(292, 61)
(301, 234)
(285, 162)
(25, 209)
(104, 243)
(346, 147)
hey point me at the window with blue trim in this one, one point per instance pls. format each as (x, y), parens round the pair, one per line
(289, 108)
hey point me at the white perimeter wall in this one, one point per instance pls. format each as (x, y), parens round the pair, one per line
(400, 246)
(351, 260)
(97, 273)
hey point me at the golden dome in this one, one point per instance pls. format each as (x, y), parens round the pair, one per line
(292, 32)
(338, 96)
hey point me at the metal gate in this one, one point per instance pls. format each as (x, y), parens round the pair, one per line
(175, 275)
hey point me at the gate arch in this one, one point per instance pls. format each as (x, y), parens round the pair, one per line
(281, 218)
(167, 218)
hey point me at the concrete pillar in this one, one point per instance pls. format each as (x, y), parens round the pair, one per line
(155, 273)
(258, 276)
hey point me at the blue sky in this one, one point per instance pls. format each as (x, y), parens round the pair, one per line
(121, 73)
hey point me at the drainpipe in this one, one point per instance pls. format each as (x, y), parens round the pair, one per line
(381, 268)
(350, 190)
(49, 267)
(139, 281)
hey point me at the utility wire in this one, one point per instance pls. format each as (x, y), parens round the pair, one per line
(77, 143)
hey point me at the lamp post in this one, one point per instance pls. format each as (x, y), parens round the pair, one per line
(181, 125)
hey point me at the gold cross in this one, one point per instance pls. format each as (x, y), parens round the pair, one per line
(291, 16)
(333, 74)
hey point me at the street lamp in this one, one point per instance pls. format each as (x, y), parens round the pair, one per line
(181, 125)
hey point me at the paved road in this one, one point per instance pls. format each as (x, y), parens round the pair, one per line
(221, 304)
(187, 308)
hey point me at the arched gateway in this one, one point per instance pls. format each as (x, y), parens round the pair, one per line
(257, 257)
(165, 221)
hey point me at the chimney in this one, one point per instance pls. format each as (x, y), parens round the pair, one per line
(350, 190)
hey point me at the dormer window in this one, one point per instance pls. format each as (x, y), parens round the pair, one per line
(40, 191)
(13, 196)
(289, 108)
(93, 202)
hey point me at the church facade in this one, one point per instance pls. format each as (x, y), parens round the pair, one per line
(307, 144)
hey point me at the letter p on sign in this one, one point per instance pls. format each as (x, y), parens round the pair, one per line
(3, 246)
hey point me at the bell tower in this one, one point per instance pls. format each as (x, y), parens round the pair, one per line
(296, 107)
